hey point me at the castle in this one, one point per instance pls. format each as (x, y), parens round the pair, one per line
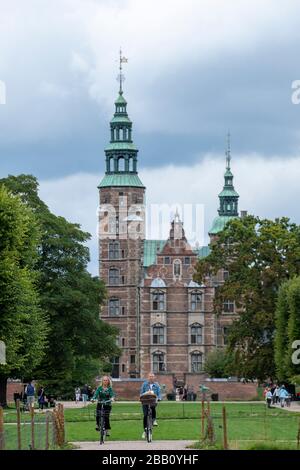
(166, 321)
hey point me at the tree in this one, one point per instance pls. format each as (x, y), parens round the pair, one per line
(23, 324)
(259, 254)
(287, 329)
(218, 363)
(69, 294)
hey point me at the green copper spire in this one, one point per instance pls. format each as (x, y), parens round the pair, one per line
(228, 197)
(121, 153)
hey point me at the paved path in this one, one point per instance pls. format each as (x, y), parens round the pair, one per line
(133, 445)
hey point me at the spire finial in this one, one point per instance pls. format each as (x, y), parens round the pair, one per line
(228, 152)
(121, 76)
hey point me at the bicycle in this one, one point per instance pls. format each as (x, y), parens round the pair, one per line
(149, 400)
(101, 414)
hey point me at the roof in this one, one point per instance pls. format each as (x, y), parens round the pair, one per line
(121, 118)
(120, 99)
(219, 223)
(228, 192)
(121, 179)
(203, 251)
(151, 247)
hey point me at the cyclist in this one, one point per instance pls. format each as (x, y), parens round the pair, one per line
(150, 386)
(104, 393)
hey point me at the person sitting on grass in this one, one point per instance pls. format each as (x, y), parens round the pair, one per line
(104, 393)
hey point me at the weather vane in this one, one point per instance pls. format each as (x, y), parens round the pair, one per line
(228, 156)
(121, 76)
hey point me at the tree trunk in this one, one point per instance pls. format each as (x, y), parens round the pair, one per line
(3, 389)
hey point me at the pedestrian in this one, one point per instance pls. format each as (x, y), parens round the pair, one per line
(41, 398)
(30, 393)
(84, 394)
(283, 395)
(77, 394)
(269, 398)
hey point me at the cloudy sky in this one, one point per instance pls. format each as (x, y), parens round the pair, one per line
(196, 68)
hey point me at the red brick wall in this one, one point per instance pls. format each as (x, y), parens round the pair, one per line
(129, 390)
(13, 387)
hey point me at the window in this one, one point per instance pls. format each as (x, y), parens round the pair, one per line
(177, 267)
(225, 335)
(158, 334)
(225, 275)
(187, 260)
(196, 361)
(114, 277)
(114, 250)
(228, 306)
(123, 310)
(114, 307)
(115, 362)
(123, 342)
(158, 301)
(196, 333)
(132, 359)
(158, 362)
(196, 301)
(167, 260)
(123, 367)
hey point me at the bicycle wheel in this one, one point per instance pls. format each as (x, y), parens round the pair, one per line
(102, 430)
(149, 427)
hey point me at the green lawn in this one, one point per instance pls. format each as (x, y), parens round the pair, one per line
(245, 422)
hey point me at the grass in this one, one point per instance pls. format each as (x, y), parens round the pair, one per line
(248, 424)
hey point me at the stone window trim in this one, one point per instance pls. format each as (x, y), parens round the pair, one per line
(228, 306)
(196, 358)
(196, 301)
(177, 268)
(158, 333)
(114, 276)
(158, 300)
(114, 250)
(196, 334)
(158, 362)
(113, 307)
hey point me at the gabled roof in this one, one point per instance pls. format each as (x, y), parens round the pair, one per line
(151, 248)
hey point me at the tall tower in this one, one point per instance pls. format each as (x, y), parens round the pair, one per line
(121, 236)
(228, 198)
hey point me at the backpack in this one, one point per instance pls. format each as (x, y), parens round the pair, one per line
(30, 390)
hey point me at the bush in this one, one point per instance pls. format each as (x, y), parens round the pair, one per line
(171, 396)
(218, 364)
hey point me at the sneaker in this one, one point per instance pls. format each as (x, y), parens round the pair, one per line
(155, 423)
(144, 435)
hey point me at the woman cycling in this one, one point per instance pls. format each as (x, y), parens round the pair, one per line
(104, 393)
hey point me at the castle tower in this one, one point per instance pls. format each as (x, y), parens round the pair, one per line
(228, 198)
(121, 236)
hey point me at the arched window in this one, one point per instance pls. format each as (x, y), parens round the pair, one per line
(158, 334)
(196, 361)
(130, 164)
(115, 362)
(111, 164)
(196, 333)
(177, 267)
(114, 276)
(114, 250)
(196, 301)
(158, 362)
(114, 307)
(121, 164)
(158, 300)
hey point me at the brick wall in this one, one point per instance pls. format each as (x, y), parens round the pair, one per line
(13, 387)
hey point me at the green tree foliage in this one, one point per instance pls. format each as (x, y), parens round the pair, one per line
(259, 255)
(218, 364)
(23, 324)
(78, 339)
(287, 329)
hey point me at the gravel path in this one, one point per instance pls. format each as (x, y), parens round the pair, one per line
(133, 445)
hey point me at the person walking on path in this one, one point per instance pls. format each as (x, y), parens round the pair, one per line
(150, 386)
(283, 395)
(84, 394)
(269, 397)
(30, 393)
(77, 394)
(41, 398)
